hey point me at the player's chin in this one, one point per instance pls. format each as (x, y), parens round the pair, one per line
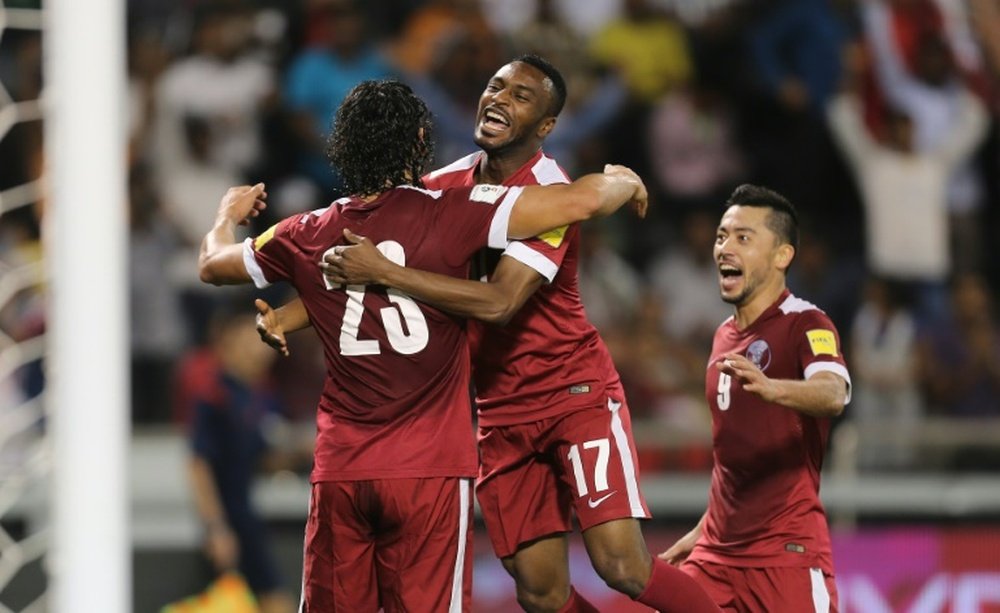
(489, 141)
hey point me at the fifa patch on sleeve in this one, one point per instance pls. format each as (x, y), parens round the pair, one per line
(822, 342)
(554, 238)
(487, 193)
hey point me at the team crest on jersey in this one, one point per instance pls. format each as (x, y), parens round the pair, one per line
(759, 352)
(822, 342)
(487, 193)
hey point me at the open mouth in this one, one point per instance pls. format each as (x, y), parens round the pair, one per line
(729, 276)
(494, 122)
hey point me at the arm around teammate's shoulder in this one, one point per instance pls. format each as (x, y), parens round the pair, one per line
(541, 208)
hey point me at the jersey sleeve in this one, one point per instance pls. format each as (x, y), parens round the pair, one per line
(819, 348)
(477, 216)
(543, 253)
(269, 257)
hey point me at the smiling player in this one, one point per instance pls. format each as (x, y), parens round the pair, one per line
(554, 429)
(775, 378)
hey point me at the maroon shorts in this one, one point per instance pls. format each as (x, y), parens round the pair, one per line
(765, 590)
(394, 544)
(532, 476)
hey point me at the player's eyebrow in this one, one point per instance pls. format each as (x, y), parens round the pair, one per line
(744, 229)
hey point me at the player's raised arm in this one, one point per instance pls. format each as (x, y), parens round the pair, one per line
(220, 261)
(542, 208)
(509, 287)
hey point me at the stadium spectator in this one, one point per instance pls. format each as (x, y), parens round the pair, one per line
(395, 443)
(886, 394)
(904, 188)
(318, 78)
(775, 378)
(929, 91)
(960, 357)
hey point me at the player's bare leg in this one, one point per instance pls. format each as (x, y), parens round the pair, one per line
(541, 573)
(620, 556)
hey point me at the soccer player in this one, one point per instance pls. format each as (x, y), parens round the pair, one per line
(554, 427)
(389, 510)
(775, 378)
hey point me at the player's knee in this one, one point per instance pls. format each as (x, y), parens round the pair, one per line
(623, 572)
(542, 600)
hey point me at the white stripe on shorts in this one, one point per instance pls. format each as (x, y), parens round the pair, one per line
(821, 597)
(625, 453)
(302, 587)
(457, 583)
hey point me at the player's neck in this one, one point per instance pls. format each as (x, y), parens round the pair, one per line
(497, 166)
(752, 309)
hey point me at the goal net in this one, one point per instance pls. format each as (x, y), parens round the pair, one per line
(63, 372)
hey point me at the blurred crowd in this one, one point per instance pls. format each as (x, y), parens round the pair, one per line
(877, 118)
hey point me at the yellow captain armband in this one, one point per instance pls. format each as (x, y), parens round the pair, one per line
(554, 238)
(265, 236)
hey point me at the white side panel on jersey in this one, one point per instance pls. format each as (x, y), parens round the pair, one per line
(532, 259)
(253, 268)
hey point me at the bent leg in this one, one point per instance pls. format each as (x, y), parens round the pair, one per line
(541, 572)
(620, 556)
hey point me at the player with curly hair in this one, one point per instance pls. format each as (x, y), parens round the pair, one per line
(390, 509)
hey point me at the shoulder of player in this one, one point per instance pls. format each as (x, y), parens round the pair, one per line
(547, 171)
(459, 165)
(795, 310)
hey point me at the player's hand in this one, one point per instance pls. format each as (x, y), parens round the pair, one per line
(640, 200)
(269, 327)
(242, 203)
(359, 263)
(749, 375)
(221, 547)
(679, 551)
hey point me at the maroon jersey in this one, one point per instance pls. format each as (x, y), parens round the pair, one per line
(395, 401)
(549, 359)
(764, 507)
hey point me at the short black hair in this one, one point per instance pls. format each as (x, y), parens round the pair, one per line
(783, 220)
(553, 74)
(376, 142)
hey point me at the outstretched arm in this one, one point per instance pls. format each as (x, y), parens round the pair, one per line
(221, 259)
(272, 324)
(822, 395)
(541, 208)
(510, 286)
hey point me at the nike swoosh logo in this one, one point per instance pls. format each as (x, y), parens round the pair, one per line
(593, 504)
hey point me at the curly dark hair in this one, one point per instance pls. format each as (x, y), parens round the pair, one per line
(376, 141)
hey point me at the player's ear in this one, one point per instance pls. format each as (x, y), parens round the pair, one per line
(546, 126)
(783, 256)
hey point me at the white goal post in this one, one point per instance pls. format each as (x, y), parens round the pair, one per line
(86, 250)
